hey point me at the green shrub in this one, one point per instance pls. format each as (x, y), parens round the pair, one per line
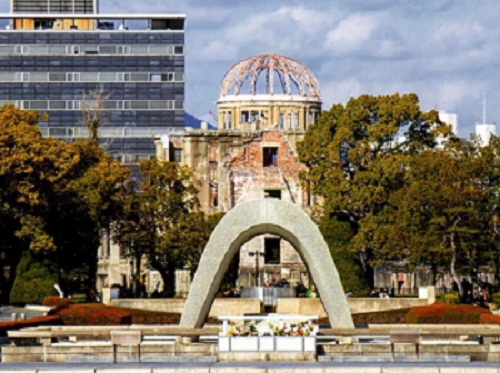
(450, 297)
(338, 235)
(78, 298)
(495, 298)
(35, 279)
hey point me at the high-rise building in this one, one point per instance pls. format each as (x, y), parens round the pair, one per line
(62, 58)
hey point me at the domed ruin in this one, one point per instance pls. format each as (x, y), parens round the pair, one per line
(268, 91)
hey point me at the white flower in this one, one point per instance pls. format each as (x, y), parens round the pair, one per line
(263, 328)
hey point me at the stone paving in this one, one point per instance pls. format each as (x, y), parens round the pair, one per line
(264, 367)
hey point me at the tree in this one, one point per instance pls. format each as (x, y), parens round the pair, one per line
(161, 221)
(353, 158)
(347, 139)
(338, 235)
(437, 212)
(30, 170)
(93, 114)
(54, 196)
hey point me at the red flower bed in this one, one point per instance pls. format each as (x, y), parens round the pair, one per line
(446, 313)
(35, 321)
(490, 319)
(93, 314)
(54, 301)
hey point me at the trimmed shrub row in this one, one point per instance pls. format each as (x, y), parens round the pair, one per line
(93, 314)
(99, 314)
(153, 318)
(35, 321)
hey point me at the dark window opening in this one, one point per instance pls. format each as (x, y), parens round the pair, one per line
(272, 250)
(44, 24)
(167, 24)
(175, 155)
(106, 26)
(245, 116)
(272, 193)
(270, 156)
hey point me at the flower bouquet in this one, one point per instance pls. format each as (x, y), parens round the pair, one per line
(269, 329)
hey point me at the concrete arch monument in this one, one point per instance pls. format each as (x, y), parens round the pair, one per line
(254, 218)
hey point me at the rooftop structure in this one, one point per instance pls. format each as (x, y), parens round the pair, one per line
(290, 74)
(268, 91)
(55, 6)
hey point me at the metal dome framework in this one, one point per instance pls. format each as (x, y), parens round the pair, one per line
(291, 73)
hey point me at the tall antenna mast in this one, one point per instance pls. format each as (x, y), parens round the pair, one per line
(484, 107)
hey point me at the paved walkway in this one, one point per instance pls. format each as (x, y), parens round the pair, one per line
(265, 367)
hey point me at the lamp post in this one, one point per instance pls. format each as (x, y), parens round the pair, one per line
(257, 254)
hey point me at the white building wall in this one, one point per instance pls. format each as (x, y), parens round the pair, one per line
(449, 118)
(484, 131)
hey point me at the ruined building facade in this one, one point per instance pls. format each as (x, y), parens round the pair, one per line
(253, 154)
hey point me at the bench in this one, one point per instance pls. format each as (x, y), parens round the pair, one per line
(410, 336)
(126, 338)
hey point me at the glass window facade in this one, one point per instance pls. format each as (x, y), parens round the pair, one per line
(140, 73)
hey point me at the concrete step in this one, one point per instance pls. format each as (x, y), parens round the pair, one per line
(144, 359)
(424, 358)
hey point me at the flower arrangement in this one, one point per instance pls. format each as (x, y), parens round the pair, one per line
(269, 329)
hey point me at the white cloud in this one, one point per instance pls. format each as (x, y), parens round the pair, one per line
(219, 51)
(341, 91)
(351, 34)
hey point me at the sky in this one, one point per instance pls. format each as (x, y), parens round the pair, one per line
(446, 51)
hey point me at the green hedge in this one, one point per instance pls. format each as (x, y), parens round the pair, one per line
(35, 279)
(450, 297)
(495, 298)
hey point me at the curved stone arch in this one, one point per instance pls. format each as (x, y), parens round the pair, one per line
(254, 218)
